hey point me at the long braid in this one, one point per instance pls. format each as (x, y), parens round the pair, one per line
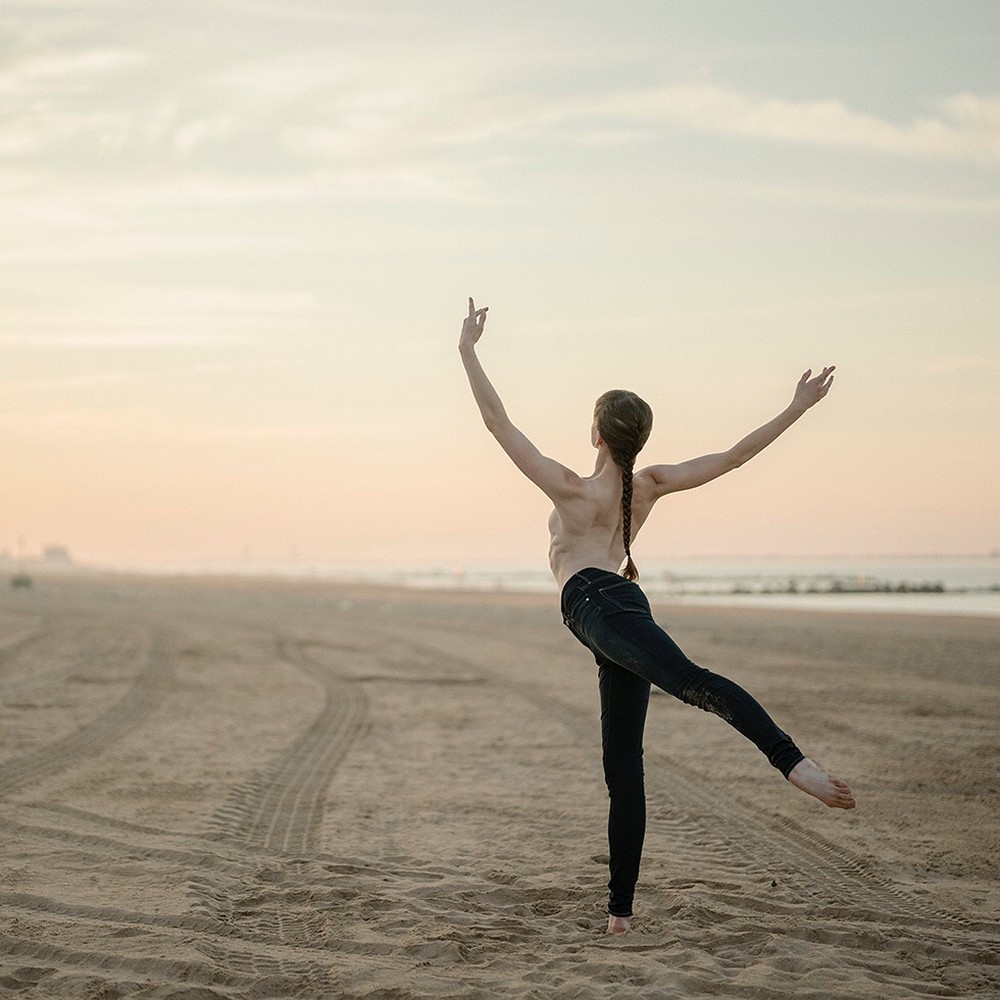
(624, 422)
(631, 573)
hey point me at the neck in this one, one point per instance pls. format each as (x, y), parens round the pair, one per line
(604, 461)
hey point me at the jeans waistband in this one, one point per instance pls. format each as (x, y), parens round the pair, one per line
(586, 579)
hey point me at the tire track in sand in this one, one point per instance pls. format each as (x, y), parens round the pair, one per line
(280, 808)
(12, 644)
(144, 695)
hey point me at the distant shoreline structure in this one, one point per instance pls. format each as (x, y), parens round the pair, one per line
(52, 557)
(968, 585)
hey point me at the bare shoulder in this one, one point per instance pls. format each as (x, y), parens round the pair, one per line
(567, 486)
(648, 483)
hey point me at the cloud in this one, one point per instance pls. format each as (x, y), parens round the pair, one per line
(433, 116)
(953, 364)
(837, 196)
(283, 77)
(86, 423)
(200, 131)
(967, 125)
(86, 380)
(321, 14)
(47, 101)
(136, 339)
(131, 246)
(63, 73)
(278, 432)
(141, 317)
(38, 132)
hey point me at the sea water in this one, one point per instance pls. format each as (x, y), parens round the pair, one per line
(961, 585)
(924, 584)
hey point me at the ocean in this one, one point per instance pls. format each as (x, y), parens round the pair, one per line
(959, 585)
(919, 584)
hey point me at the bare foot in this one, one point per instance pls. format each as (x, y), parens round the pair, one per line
(619, 925)
(814, 780)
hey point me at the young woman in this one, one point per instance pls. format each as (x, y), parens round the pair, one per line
(592, 527)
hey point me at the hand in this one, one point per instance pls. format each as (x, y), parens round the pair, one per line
(472, 328)
(810, 391)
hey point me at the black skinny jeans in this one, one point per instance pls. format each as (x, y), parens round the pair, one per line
(610, 616)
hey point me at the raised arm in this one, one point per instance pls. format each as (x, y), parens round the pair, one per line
(698, 471)
(554, 479)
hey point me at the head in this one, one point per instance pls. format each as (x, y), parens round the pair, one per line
(622, 421)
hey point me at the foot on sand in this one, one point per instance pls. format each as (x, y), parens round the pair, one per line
(619, 925)
(814, 780)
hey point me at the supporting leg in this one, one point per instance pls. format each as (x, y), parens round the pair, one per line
(624, 700)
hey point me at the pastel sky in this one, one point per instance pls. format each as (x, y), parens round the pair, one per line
(238, 238)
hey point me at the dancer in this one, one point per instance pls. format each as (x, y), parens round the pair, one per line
(592, 527)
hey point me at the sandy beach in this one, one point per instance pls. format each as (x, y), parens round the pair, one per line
(220, 788)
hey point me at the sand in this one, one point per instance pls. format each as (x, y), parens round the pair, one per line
(214, 788)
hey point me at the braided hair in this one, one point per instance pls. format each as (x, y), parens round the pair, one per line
(624, 422)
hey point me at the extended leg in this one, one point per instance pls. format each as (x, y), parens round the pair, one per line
(632, 639)
(624, 700)
(635, 641)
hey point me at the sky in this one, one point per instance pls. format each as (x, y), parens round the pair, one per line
(239, 237)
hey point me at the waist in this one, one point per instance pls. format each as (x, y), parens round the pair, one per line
(599, 591)
(566, 561)
(587, 580)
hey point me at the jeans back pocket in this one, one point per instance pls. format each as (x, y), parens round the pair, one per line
(624, 595)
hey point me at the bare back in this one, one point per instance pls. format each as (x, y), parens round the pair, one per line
(585, 527)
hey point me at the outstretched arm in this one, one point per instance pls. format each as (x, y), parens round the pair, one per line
(698, 471)
(554, 479)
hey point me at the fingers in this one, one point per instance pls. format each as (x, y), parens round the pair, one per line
(472, 327)
(820, 378)
(478, 316)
